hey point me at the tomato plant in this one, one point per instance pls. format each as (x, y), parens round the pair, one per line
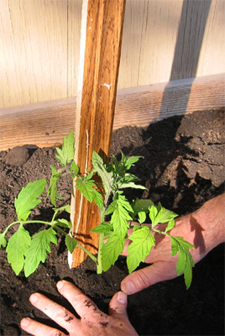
(26, 252)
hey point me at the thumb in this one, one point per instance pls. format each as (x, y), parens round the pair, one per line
(118, 306)
(148, 276)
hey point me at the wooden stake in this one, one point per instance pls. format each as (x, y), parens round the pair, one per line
(102, 20)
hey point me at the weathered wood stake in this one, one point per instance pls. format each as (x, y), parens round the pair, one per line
(102, 22)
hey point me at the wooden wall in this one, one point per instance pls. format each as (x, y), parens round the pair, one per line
(163, 40)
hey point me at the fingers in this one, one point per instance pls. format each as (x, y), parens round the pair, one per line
(148, 276)
(118, 314)
(118, 306)
(92, 319)
(56, 312)
(80, 302)
(35, 328)
(127, 243)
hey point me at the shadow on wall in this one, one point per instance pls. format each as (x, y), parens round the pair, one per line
(186, 56)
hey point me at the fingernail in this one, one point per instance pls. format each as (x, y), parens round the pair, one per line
(33, 298)
(129, 288)
(122, 297)
(25, 322)
(60, 284)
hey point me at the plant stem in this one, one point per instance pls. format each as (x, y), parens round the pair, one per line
(101, 241)
(100, 245)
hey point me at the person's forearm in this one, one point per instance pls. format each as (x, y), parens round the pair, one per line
(211, 216)
(206, 226)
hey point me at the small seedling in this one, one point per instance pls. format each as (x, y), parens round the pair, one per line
(26, 252)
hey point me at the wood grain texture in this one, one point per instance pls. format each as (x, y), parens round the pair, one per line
(33, 51)
(73, 45)
(45, 124)
(99, 64)
(163, 40)
(166, 40)
(141, 106)
(38, 124)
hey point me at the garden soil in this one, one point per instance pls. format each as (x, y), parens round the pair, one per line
(183, 167)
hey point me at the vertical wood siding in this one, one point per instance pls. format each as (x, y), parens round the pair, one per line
(163, 40)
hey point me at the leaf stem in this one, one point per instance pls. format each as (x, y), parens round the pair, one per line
(78, 244)
(60, 230)
(14, 223)
(164, 233)
(36, 221)
(88, 252)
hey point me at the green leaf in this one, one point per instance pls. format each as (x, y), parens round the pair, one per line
(63, 222)
(126, 179)
(170, 225)
(103, 228)
(74, 167)
(131, 185)
(141, 216)
(129, 162)
(139, 249)
(119, 199)
(111, 250)
(106, 177)
(141, 205)
(97, 196)
(153, 213)
(52, 189)
(160, 214)
(27, 198)
(120, 209)
(66, 208)
(3, 241)
(126, 164)
(86, 188)
(89, 176)
(17, 247)
(71, 243)
(37, 252)
(185, 261)
(119, 219)
(116, 164)
(136, 227)
(66, 154)
(123, 159)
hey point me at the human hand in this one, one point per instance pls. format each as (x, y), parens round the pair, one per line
(92, 321)
(203, 228)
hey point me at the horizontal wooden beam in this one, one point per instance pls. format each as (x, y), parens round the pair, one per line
(45, 124)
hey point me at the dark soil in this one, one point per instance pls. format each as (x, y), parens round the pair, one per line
(183, 167)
